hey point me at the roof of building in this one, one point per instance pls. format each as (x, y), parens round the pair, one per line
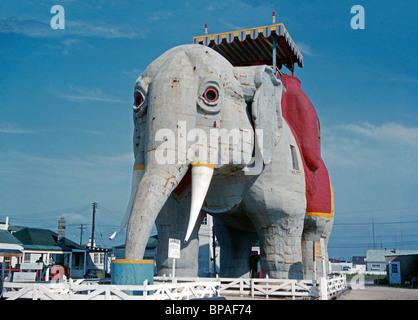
(379, 255)
(402, 253)
(359, 260)
(43, 239)
(151, 244)
(7, 237)
(376, 255)
(9, 245)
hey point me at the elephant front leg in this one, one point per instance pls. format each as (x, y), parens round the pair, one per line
(281, 249)
(172, 223)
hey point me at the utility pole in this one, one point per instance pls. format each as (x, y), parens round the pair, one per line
(81, 227)
(374, 244)
(94, 205)
(401, 244)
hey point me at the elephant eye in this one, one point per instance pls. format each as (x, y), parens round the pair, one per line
(139, 101)
(211, 94)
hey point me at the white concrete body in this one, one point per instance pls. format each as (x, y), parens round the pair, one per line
(269, 206)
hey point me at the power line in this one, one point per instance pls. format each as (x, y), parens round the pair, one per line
(369, 223)
(367, 245)
(377, 210)
(81, 227)
(356, 236)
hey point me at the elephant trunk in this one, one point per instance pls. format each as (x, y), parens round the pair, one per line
(155, 187)
(136, 178)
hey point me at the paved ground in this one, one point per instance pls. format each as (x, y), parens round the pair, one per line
(380, 293)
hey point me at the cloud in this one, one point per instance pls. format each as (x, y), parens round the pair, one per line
(366, 146)
(69, 42)
(134, 73)
(305, 49)
(391, 133)
(35, 28)
(13, 128)
(401, 78)
(46, 172)
(73, 218)
(160, 16)
(79, 94)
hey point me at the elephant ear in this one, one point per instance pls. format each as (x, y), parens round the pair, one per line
(263, 93)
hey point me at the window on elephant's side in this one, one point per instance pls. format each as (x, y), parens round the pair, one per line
(294, 157)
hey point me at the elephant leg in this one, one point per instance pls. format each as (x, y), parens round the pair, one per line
(316, 230)
(235, 250)
(172, 223)
(281, 249)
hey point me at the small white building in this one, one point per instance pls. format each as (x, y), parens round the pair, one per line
(22, 246)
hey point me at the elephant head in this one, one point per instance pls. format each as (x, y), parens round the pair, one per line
(184, 102)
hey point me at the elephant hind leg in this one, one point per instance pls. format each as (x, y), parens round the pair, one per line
(316, 233)
(281, 256)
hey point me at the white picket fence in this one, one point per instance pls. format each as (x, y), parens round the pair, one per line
(336, 285)
(284, 288)
(179, 289)
(70, 290)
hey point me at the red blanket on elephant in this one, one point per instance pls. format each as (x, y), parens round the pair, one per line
(302, 118)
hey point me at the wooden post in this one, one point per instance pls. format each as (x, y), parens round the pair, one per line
(145, 292)
(173, 271)
(323, 290)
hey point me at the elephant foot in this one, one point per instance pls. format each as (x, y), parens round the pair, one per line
(314, 269)
(282, 270)
(281, 253)
(315, 237)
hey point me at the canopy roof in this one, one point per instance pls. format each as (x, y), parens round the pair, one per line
(270, 45)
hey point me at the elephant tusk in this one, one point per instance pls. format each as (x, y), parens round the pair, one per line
(202, 173)
(138, 172)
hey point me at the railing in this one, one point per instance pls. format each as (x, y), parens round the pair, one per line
(180, 289)
(335, 285)
(284, 288)
(70, 290)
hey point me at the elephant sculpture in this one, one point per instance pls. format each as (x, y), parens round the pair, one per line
(253, 182)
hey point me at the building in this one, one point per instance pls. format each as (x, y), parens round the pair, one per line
(11, 249)
(376, 261)
(359, 260)
(23, 245)
(402, 267)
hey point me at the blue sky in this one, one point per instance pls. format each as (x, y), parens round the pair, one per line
(66, 106)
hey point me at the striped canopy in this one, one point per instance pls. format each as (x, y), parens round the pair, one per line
(255, 46)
